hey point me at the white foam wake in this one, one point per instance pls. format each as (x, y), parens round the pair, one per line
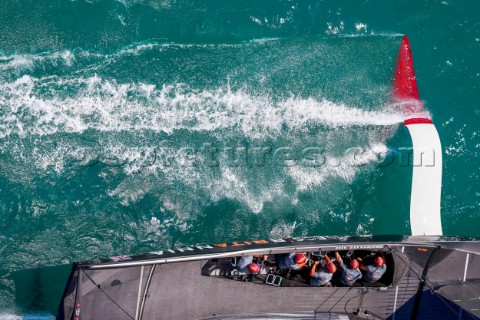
(344, 167)
(31, 106)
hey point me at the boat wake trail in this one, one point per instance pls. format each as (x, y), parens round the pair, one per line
(40, 107)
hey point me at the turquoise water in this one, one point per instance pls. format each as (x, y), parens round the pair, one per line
(130, 126)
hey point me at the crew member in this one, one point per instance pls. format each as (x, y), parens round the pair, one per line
(246, 265)
(323, 276)
(350, 273)
(373, 272)
(294, 261)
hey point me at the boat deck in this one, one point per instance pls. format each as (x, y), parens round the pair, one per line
(185, 290)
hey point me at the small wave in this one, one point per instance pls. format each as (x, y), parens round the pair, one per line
(20, 62)
(369, 35)
(236, 184)
(264, 40)
(282, 230)
(28, 61)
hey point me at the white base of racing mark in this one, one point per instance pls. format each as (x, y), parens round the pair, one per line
(425, 216)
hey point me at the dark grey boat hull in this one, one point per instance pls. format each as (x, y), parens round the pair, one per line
(433, 278)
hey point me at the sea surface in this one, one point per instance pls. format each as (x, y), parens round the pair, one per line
(131, 126)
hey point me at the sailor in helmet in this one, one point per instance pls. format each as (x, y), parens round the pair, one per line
(322, 276)
(373, 272)
(293, 261)
(246, 265)
(350, 273)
